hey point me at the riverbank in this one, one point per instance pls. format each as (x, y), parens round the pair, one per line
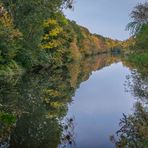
(139, 58)
(43, 38)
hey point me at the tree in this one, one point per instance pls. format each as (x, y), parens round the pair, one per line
(139, 16)
(10, 38)
(142, 38)
(28, 16)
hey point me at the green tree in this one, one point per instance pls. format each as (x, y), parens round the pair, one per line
(28, 16)
(139, 16)
(10, 39)
(142, 38)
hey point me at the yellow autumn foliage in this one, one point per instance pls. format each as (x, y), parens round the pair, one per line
(55, 31)
(50, 45)
(52, 30)
(56, 104)
(7, 22)
(49, 22)
(53, 93)
(5, 18)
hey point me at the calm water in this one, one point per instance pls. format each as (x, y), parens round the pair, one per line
(98, 106)
(78, 105)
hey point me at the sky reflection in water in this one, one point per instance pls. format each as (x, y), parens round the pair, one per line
(98, 106)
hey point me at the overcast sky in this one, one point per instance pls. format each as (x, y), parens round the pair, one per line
(105, 17)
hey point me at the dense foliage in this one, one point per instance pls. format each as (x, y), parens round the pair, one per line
(33, 105)
(133, 130)
(139, 42)
(134, 127)
(36, 34)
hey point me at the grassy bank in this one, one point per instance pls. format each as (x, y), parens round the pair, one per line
(139, 59)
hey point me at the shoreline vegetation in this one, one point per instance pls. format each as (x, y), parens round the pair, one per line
(34, 38)
(133, 130)
(36, 35)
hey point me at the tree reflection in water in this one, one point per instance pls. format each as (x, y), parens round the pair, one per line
(68, 136)
(134, 128)
(33, 106)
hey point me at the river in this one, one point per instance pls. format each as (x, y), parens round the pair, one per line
(78, 105)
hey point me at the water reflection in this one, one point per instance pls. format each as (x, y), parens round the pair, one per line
(32, 107)
(37, 102)
(98, 105)
(68, 136)
(133, 132)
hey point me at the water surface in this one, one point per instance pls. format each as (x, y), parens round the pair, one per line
(77, 105)
(98, 106)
